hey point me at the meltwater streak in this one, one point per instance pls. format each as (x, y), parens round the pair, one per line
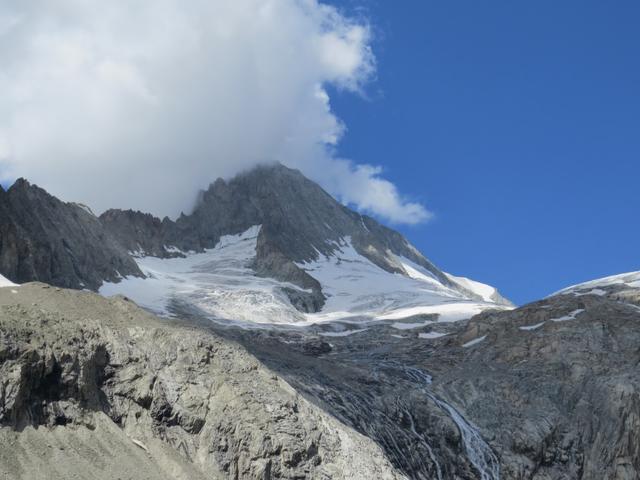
(478, 452)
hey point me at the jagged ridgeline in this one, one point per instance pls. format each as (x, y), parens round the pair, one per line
(63, 244)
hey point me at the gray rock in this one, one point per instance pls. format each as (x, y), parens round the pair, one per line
(91, 377)
(44, 239)
(558, 401)
(139, 232)
(547, 391)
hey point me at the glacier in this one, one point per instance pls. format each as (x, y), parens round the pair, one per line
(220, 283)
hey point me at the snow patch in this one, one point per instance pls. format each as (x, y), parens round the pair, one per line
(447, 312)
(570, 316)
(172, 249)
(85, 208)
(630, 279)
(431, 335)
(596, 291)
(221, 283)
(217, 281)
(356, 288)
(486, 292)
(4, 282)
(474, 342)
(417, 272)
(532, 327)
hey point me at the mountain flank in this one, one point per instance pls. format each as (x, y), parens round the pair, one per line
(299, 223)
(63, 244)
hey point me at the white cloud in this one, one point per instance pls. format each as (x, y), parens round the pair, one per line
(362, 186)
(140, 104)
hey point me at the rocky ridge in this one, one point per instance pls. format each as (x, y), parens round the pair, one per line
(64, 244)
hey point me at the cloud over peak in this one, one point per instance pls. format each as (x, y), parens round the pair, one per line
(140, 104)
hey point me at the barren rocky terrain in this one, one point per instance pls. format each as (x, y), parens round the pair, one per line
(97, 388)
(548, 391)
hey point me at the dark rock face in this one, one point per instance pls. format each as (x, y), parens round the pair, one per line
(139, 232)
(44, 239)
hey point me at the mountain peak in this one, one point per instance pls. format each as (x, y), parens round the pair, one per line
(272, 184)
(21, 184)
(299, 223)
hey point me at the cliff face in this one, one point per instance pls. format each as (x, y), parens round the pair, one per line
(139, 232)
(556, 385)
(97, 388)
(44, 239)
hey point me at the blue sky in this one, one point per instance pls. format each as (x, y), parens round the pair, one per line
(518, 125)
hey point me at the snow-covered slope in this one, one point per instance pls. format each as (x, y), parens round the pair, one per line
(486, 292)
(598, 286)
(218, 281)
(357, 288)
(221, 283)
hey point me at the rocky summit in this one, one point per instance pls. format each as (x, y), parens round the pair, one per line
(273, 333)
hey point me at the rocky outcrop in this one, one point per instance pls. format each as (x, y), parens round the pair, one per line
(555, 384)
(140, 233)
(273, 263)
(63, 244)
(83, 378)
